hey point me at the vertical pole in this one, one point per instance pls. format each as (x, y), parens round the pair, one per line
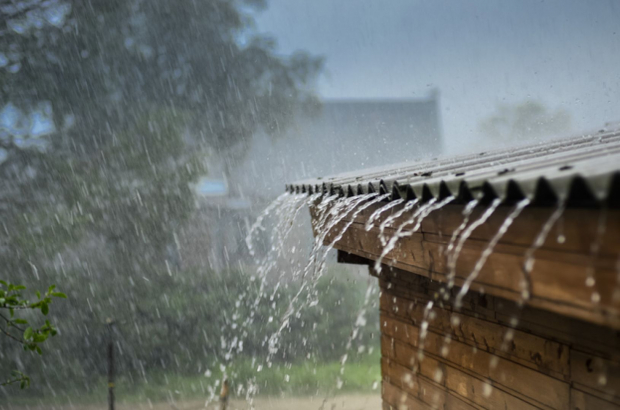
(110, 365)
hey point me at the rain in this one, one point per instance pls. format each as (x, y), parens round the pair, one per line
(274, 204)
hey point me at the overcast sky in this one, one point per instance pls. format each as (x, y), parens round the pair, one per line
(565, 53)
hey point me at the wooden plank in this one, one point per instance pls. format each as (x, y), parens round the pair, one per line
(557, 283)
(584, 336)
(512, 376)
(430, 392)
(463, 386)
(583, 401)
(596, 373)
(396, 351)
(400, 400)
(578, 226)
(530, 350)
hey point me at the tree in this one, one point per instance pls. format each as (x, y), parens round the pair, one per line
(110, 107)
(526, 120)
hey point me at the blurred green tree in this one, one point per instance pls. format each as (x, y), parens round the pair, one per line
(110, 106)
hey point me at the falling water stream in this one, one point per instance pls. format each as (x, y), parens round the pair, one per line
(488, 250)
(408, 207)
(469, 208)
(417, 218)
(377, 213)
(334, 215)
(529, 260)
(453, 257)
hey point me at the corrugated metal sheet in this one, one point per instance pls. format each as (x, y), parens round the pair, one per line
(584, 171)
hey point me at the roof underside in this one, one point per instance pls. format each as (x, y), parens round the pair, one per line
(583, 171)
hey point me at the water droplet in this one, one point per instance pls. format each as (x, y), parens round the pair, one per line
(487, 389)
(339, 383)
(438, 376)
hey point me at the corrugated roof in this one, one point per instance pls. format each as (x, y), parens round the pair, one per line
(583, 171)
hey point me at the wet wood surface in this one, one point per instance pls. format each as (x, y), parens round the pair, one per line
(559, 348)
(488, 355)
(576, 270)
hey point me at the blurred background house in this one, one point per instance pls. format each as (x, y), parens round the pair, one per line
(344, 135)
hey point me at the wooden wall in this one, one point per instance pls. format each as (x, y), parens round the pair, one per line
(491, 354)
(559, 351)
(560, 274)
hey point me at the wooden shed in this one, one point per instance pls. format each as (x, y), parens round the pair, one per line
(502, 290)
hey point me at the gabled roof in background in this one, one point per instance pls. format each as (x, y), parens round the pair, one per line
(584, 171)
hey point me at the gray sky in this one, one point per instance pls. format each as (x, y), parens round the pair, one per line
(565, 53)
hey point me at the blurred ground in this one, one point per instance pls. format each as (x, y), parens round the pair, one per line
(345, 402)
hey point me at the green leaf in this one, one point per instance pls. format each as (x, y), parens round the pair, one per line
(51, 289)
(39, 350)
(59, 295)
(45, 309)
(19, 287)
(28, 333)
(4, 283)
(38, 295)
(20, 321)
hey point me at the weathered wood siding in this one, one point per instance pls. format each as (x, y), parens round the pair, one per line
(477, 359)
(560, 273)
(559, 351)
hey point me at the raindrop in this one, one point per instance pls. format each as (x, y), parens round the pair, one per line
(487, 389)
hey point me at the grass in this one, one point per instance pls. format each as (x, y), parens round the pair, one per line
(299, 379)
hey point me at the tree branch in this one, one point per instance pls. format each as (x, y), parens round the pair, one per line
(12, 337)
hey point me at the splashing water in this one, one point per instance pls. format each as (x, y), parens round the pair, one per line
(488, 250)
(595, 248)
(408, 207)
(377, 213)
(259, 221)
(466, 234)
(529, 260)
(390, 244)
(284, 211)
(418, 217)
(424, 329)
(359, 323)
(469, 208)
(338, 212)
(340, 209)
(348, 208)
(348, 225)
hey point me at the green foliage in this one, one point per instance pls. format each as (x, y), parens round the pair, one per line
(18, 377)
(139, 92)
(303, 378)
(11, 299)
(178, 326)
